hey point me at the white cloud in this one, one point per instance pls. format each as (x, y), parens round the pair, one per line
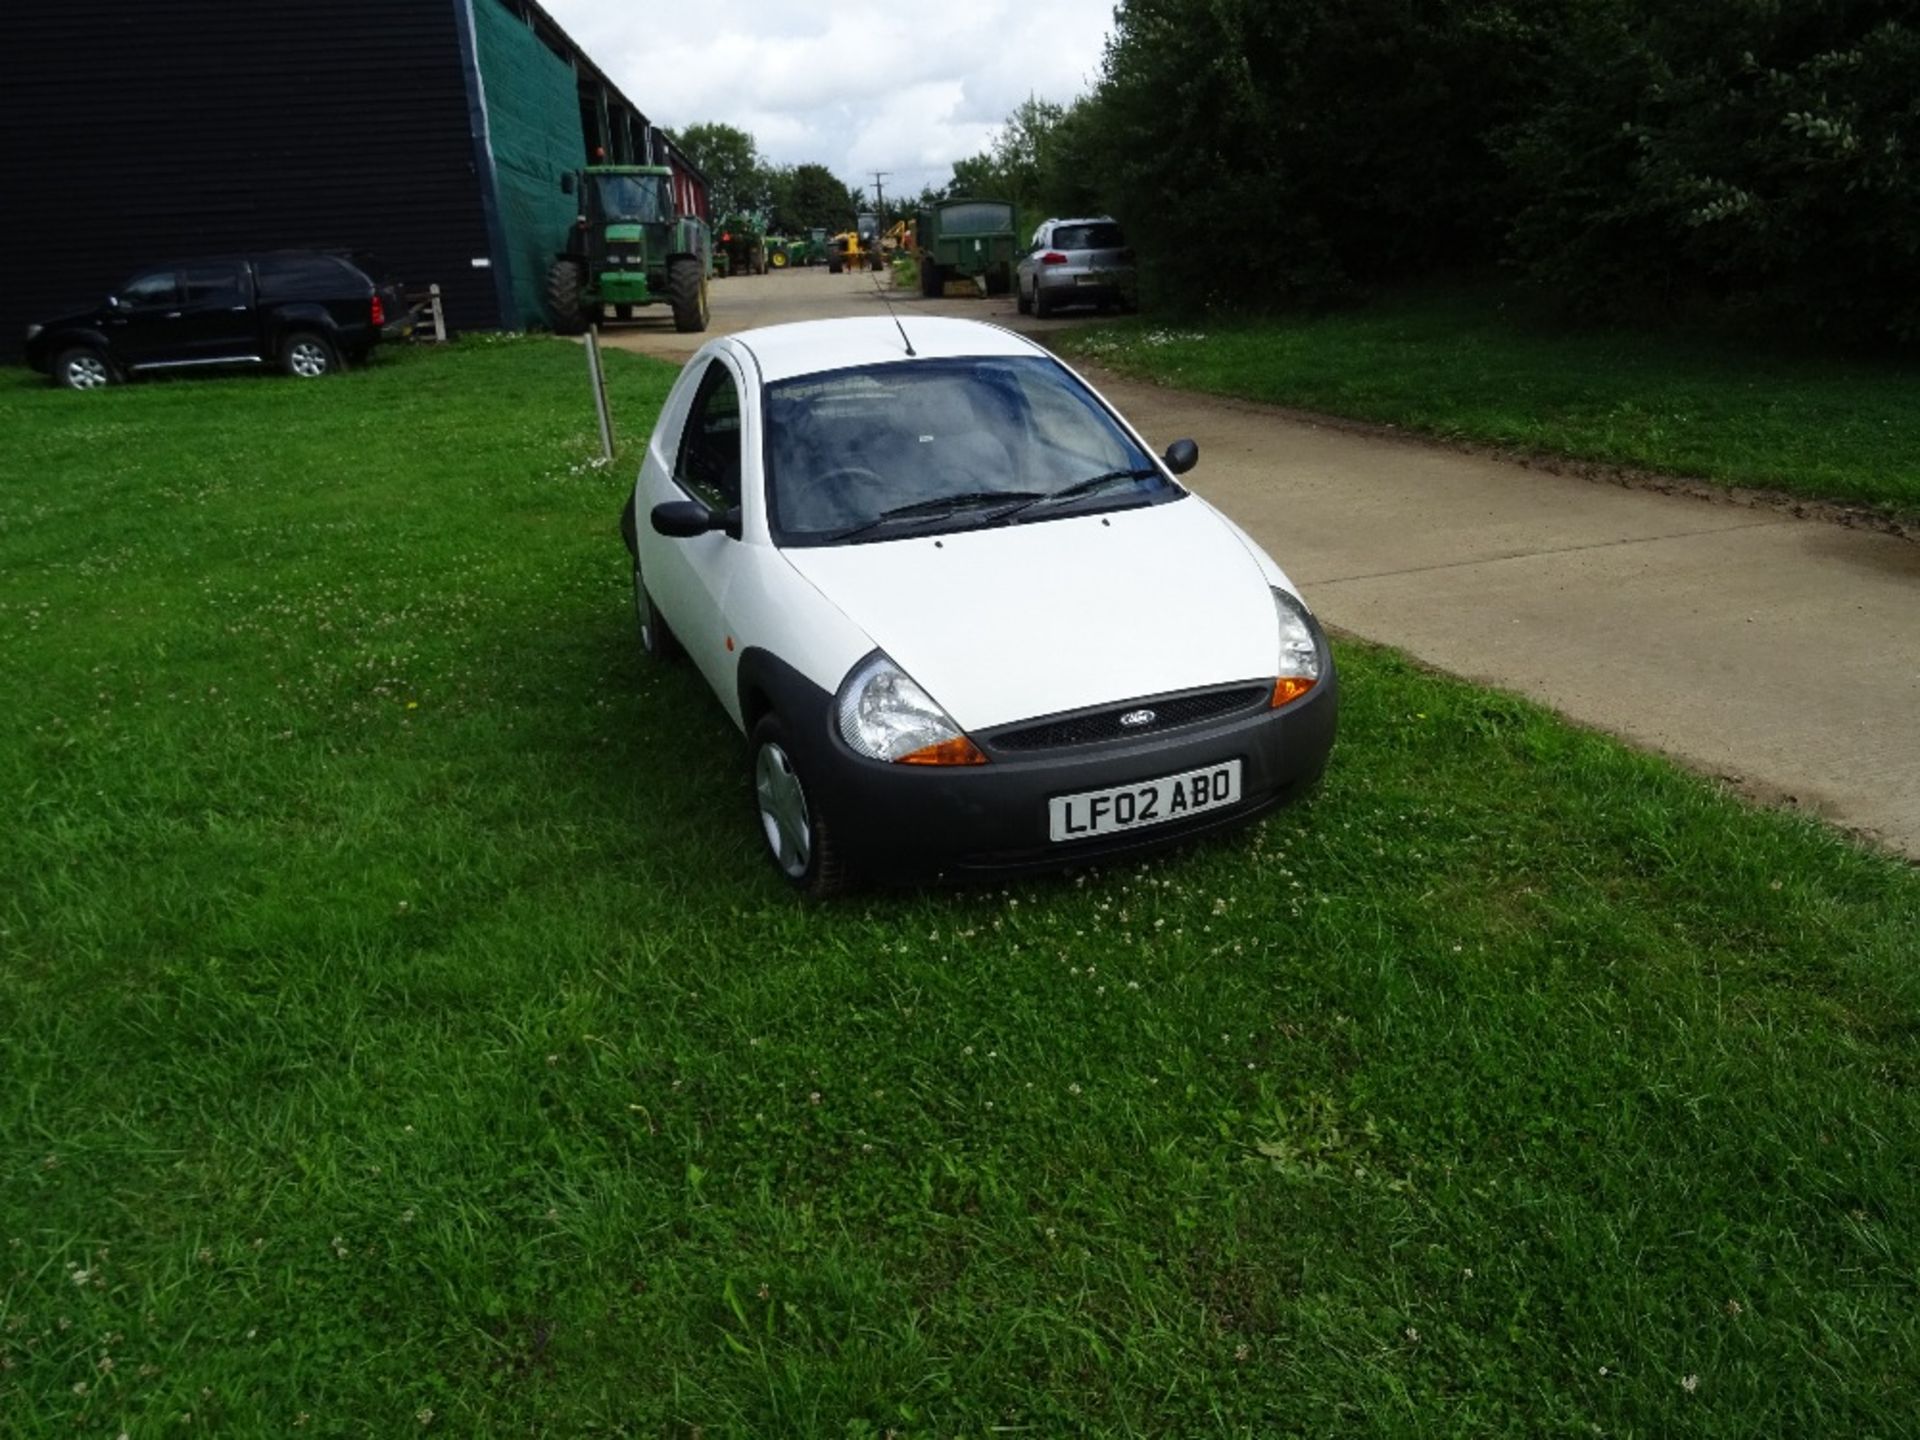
(857, 87)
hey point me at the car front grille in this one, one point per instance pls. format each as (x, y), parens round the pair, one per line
(1089, 727)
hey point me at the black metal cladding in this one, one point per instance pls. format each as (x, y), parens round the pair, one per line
(140, 131)
(1088, 727)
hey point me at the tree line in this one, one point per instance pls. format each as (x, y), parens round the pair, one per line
(1754, 157)
(790, 199)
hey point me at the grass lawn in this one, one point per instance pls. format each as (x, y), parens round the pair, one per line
(1467, 366)
(401, 1033)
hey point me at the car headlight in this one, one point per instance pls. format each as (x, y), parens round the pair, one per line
(1299, 667)
(33, 330)
(884, 715)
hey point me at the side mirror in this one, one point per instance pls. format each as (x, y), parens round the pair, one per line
(566, 183)
(685, 519)
(1182, 456)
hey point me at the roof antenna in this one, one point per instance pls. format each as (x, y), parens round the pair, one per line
(895, 318)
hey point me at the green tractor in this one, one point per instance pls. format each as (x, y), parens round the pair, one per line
(630, 246)
(743, 247)
(799, 250)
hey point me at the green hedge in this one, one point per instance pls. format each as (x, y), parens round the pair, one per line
(1746, 154)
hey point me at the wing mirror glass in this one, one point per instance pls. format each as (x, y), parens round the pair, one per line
(1182, 456)
(684, 519)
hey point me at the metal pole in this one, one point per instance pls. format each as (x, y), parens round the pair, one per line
(599, 378)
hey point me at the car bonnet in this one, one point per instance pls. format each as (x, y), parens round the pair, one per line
(1020, 621)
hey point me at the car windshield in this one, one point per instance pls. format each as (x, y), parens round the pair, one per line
(887, 450)
(1088, 237)
(642, 198)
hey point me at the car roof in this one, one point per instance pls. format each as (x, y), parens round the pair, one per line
(238, 257)
(1084, 220)
(809, 347)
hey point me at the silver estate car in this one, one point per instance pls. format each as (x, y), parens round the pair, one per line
(1075, 262)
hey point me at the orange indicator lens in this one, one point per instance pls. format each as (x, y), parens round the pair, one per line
(1289, 687)
(958, 751)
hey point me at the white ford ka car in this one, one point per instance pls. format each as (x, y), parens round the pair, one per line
(967, 621)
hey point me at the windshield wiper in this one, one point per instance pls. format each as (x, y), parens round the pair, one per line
(1079, 488)
(937, 507)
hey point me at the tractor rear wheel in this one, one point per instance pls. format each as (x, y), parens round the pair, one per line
(931, 285)
(778, 259)
(687, 291)
(565, 285)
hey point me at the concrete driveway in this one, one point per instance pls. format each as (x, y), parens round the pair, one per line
(1780, 653)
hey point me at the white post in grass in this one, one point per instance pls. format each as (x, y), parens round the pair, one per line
(599, 378)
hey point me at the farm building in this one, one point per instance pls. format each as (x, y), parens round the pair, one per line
(426, 135)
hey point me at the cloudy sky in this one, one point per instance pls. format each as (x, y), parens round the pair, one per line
(855, 86)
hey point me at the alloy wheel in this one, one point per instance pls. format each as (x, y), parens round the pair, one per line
(86, 372)
(307, 359)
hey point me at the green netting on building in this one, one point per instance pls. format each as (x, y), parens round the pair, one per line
(533, 118)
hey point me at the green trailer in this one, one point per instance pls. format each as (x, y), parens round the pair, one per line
(966, 240)
(629, 246)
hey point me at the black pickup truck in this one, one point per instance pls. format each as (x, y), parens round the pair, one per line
(301, 310)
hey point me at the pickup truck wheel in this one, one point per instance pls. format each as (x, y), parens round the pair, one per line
(83, 368)
(799, 841)
(308, 356)
(565, 285)
(687, 289)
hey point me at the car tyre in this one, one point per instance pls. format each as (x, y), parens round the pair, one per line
(930, 283)
(687, 290)
(309, 355)
(657, 641)
(82, 367)
(1042, 306)
(1022, 301)
(798, 839)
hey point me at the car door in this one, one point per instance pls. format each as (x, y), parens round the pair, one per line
(689, 578)
(142, 323)
(216, 313)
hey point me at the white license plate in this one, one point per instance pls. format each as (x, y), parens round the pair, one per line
(1089, 279)
(1150, 802)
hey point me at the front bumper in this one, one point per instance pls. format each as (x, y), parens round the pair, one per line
(624, 287)
(905, 822)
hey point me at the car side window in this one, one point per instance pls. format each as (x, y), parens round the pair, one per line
(710, 454)
(211, 285)
(151, 290)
